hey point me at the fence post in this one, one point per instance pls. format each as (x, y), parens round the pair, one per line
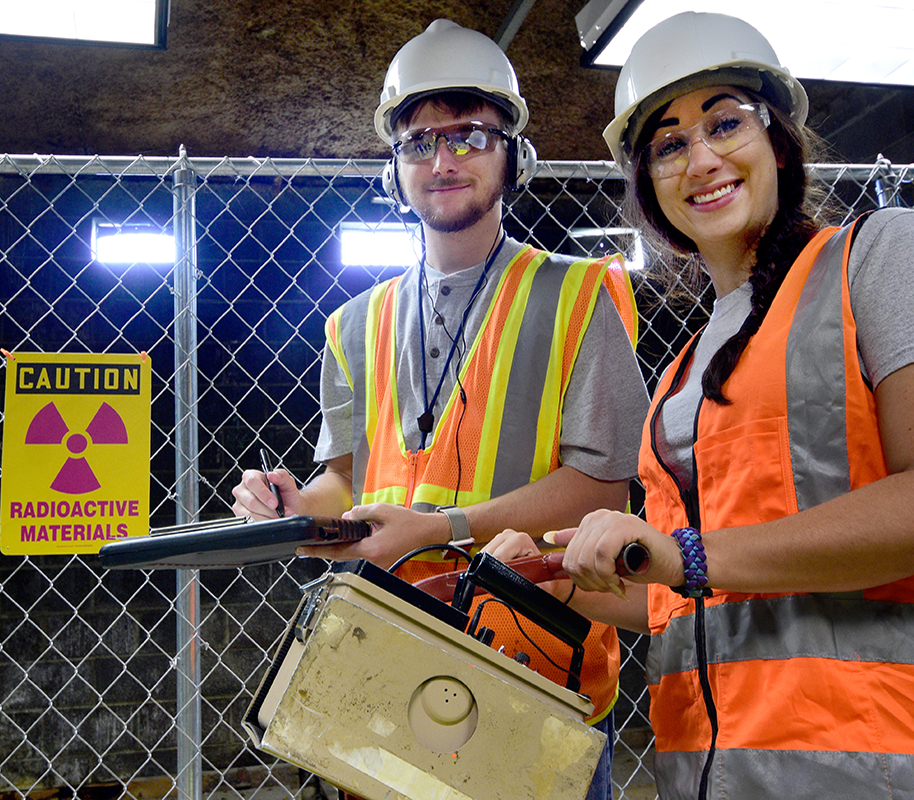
(885, 170)
(189, 775)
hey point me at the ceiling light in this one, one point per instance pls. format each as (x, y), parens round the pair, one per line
(382, 244)
(131, 244)
(600, 242)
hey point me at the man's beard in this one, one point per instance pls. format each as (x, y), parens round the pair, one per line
(455, 221)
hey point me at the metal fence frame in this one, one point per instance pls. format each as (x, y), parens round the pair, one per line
(46, 304)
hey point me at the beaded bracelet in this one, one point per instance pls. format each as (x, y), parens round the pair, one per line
(693, 562)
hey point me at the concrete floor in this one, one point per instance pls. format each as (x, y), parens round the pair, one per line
(632, 778)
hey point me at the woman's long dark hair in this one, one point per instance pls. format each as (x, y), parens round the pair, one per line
(789, 232)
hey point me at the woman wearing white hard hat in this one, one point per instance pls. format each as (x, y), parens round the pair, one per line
(778, 455)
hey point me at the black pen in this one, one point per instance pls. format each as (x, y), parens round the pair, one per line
(273, 487)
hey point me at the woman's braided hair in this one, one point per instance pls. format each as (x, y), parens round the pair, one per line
(793, 226)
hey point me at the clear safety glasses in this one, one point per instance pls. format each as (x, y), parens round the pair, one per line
(465, 140)
(724, 132)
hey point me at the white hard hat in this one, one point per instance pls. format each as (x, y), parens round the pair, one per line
(447, 56)
(689, 51)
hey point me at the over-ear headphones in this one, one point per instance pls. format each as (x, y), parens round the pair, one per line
(391, 182)
(521, 166)
(521, 162)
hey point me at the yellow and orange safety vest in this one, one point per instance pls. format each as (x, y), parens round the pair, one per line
(540, 312)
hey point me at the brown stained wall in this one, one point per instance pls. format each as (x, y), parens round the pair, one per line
(301, 78)
(286, 78)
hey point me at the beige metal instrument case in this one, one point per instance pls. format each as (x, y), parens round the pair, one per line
(387, 701)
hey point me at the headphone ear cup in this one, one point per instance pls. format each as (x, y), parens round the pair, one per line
(524, 161)
(521, 162)
(391, 182)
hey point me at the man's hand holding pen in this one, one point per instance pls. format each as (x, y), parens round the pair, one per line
(260, 493)
(267, 469)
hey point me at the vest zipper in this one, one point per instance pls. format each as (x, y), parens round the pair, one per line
(412, 468)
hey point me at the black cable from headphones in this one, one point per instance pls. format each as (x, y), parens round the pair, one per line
(462, 392)
(426, 420)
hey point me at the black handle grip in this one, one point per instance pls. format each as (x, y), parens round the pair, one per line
(635, 559)
(523, 595)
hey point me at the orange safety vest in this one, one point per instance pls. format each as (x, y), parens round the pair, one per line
(812, 691)
(521, 363)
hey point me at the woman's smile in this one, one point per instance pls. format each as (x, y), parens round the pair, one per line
(716, 194)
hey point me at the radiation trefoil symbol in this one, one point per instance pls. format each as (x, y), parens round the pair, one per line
(76, 476)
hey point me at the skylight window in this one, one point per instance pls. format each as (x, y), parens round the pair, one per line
(865, 41)
(138, 23)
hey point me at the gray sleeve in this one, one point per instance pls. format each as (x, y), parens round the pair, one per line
(606, 402)
(335, 438)
(880, 272)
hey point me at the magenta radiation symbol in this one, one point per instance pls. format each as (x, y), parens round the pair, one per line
(76, 476)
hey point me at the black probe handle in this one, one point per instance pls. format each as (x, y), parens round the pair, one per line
(635, 559)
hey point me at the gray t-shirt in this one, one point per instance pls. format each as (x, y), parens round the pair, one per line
(604, 407)
(880, 274)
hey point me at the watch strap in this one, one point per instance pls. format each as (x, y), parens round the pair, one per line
(460, 525)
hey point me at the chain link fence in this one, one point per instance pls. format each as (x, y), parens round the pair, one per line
(133, 683)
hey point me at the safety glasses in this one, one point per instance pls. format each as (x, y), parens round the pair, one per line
(465, 140)
(724, 132)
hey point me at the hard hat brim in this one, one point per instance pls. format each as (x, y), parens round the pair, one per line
(775, 85)
(387, 113)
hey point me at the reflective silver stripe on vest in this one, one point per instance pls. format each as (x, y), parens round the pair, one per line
(841, 626)
(352, 342)
(793, 774)
(517, 438)
(816, 390)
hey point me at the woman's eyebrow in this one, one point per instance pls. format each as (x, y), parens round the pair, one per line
(712, 101)
(705, 106)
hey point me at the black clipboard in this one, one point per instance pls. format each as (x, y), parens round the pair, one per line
(232, 542)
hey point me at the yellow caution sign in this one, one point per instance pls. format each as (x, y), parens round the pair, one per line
(75, 451)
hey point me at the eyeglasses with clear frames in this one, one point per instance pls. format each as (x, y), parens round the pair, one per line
(464, 140)
(723, 132)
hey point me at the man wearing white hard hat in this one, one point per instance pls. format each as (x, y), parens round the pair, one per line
(493, 385)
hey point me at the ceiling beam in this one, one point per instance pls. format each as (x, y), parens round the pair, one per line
(511, 23)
